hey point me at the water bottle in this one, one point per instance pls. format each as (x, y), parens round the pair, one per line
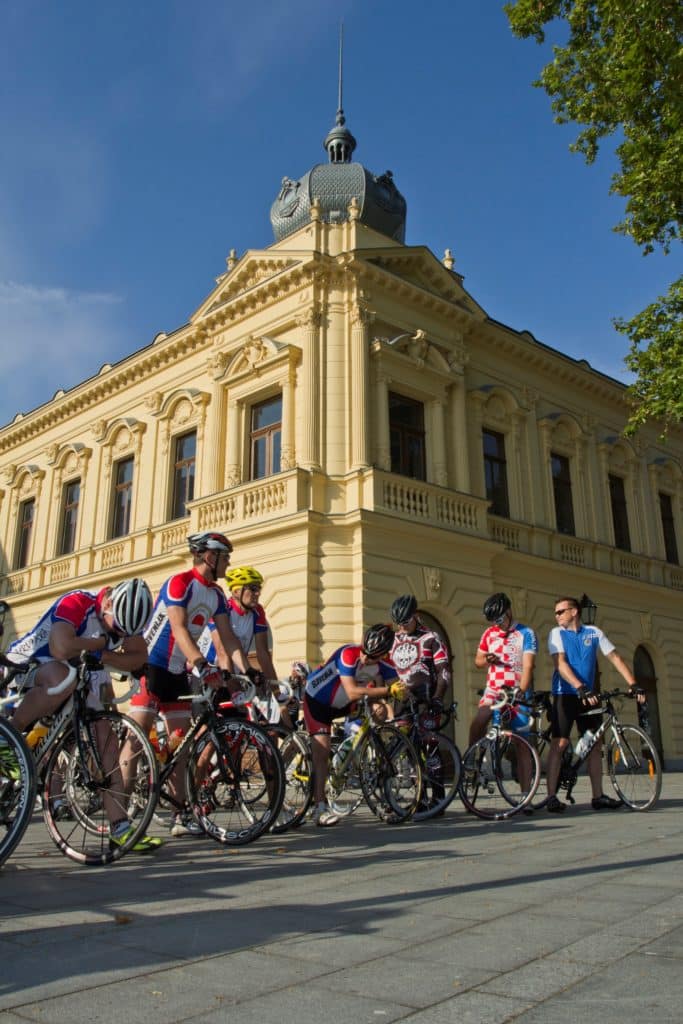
(36, 734)
(341, 752)
(175, 739)
(584, 744)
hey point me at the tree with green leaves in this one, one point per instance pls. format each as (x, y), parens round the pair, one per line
(620, 72)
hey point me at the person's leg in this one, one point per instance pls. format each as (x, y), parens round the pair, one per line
(37, 703)
(320, 752)
(479, 723)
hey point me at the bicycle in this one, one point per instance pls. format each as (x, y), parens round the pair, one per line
(378, 764)
(440, 759)
(234, 775)
(632, 760)
(17, 775)
(79, 762)
(490, 784)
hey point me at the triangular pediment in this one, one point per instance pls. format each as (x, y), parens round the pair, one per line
(252, 270)
(418, 266)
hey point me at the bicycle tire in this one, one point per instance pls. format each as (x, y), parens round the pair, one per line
(489, 787)
(390, 774)
(298, 768)
(235, 781)
(441, 767)
(343, 792)
(83, 789)
(17, 788)
(634, 767)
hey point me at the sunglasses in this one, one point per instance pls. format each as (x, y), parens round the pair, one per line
(561, 611)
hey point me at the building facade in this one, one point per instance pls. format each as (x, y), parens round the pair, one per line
(360, 427)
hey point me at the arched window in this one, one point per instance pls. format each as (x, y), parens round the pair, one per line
(644, 671)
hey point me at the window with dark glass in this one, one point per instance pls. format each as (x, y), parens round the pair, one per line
(183, 473)
(123, 497)
(495, 473)
(266, 438)
(617, 497)
(71, 497)
(667, 513)
(27, 512)
(562, 491)
(407, 437)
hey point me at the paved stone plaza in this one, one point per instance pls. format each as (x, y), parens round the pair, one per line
(542, 919)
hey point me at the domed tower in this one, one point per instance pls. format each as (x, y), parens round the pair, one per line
(334, 185)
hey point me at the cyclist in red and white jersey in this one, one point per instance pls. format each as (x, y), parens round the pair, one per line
(419, 654)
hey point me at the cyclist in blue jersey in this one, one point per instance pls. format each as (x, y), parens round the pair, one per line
(574, 649)
(330, 691)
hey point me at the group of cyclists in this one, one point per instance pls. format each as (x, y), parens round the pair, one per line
(193, 630)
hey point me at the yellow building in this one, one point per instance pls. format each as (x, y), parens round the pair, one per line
(360, 427)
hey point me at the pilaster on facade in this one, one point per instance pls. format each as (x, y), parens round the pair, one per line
(310, 323)
(457, 445)
(359, 422)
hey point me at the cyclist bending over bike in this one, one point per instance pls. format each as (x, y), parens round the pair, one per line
(330, 692)
(107, 625)
(507, 650)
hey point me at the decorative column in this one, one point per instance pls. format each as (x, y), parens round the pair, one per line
(545, 429)
(213, 457)
(458, 402)
(383, 443)
(233, 469)
(361, 319)
(438, 442)
(309, 323)
(602, 494)
(518, 489)
(287, 450)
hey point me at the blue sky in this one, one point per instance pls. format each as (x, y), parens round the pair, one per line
(143, 141)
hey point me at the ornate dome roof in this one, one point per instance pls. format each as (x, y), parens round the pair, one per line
(334, 185)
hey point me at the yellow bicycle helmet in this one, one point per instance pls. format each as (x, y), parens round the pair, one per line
(243, 576)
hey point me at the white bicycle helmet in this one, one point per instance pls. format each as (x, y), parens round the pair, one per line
(131, 606)
(208, 541)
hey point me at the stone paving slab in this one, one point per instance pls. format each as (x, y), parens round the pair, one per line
(544, 918)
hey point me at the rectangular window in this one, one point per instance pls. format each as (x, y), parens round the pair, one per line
(407, 437)
(71, 497)
(27, 513)
(562, 491)
(183, 474)
(495, 473)
(617, 497)
(668, 526)
(123, 497)
(266, 438)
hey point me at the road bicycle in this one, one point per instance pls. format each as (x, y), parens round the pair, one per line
(440, 760)
(234, 775)
(494, 783)
(376, 763)
(80, 758)
(631, 758)
(17, 774)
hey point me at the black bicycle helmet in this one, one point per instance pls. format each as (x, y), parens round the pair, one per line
(378, 640)
(403, 609)
(131, 606)
(208, 541)
(496, 606)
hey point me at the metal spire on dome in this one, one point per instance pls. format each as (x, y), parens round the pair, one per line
(339, 142)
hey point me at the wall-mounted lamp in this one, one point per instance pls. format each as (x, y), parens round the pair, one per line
(589, 610)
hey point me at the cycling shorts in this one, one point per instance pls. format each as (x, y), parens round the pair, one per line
(568, 709)
(318, 718)
(160, 689)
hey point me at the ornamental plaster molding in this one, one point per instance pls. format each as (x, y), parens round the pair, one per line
(432, 581)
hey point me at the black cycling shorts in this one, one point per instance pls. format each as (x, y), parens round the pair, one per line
(166, 686)
(568, 709)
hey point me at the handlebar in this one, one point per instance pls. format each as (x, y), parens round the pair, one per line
(132, 689)
(66, 682)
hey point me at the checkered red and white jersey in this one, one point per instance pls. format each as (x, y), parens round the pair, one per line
(509, 647)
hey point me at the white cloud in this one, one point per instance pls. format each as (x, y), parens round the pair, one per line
(52, 338)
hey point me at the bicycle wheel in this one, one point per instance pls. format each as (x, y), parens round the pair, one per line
(390, 775)
(17, 788)
(440, 764)
(634, 767)
(298, 769)
(83, 790)
(490, 786)
(235, 781)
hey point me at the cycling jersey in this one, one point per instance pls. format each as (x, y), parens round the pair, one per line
(509, 646)
(581, 650)
(421, 660)
(201, 598)
(245, 623)
(324, 684)
(80, 608)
